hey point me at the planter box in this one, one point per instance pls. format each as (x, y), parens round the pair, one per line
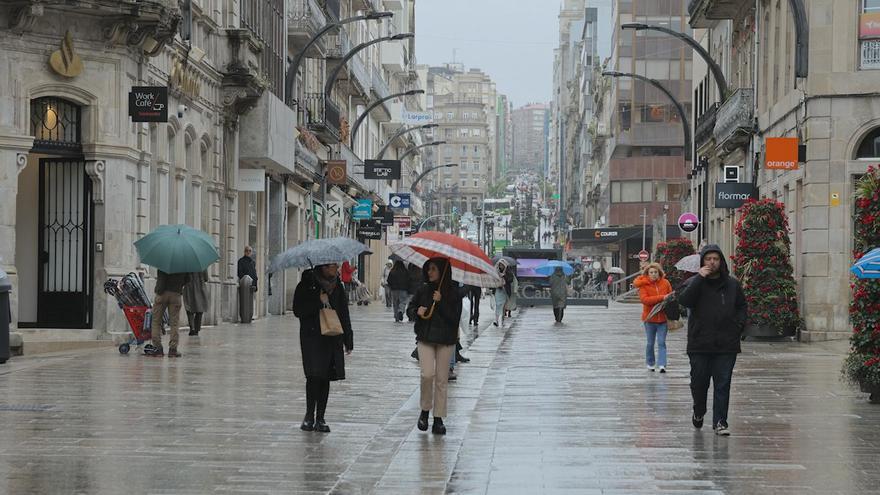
(765, 332)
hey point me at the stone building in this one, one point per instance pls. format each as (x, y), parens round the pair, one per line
(529, 140)
(809, 77)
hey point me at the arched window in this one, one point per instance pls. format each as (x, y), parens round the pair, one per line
(56, 125)
(870, 145)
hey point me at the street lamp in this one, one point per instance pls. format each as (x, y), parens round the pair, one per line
(717, 73)
(360, 119)
(331, 78)
(412, 188)
(403, 131)
(678, 106)
(418, 147)
(294, 65)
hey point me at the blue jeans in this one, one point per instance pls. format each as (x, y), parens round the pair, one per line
(719, 368)
(655, 331)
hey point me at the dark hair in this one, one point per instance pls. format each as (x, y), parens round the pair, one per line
(444, 268)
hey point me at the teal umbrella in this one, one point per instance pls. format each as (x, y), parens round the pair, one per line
(177, 249)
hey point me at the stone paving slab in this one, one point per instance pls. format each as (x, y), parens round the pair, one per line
(542, 408)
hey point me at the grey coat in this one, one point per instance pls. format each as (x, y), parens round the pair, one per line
(195, 292)
(558, 289)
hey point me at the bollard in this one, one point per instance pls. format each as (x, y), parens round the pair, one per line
(5, 317)
(245, 299)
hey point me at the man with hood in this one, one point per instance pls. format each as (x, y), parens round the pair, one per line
(715, 326)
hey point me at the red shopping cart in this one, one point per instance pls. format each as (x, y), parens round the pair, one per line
(139, 320)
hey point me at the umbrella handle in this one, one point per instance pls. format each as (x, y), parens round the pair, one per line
(430, 312)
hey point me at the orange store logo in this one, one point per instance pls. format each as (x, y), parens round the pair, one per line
(781, 154)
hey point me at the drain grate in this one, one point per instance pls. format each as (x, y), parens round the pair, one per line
(26, 407)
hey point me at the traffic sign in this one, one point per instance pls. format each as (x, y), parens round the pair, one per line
(644, 255)
(688, 222)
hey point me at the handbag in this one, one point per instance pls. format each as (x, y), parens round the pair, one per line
(673, 312)
(673, 325)
(330, 324)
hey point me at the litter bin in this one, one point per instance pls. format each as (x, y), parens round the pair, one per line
(246, 299)
(5, 316)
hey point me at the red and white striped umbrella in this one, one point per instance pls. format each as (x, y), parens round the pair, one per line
(469, 264)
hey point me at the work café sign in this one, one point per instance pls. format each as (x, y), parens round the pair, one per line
(781, 154)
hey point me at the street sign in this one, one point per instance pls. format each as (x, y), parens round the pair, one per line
(404, 224)
(733, 194)
(370, 229)
(644, 255)
(334, 210)
(148, 104)
(363, 210)
(382, 169)
(399, 200)
(337, 172)
(688, 222)
(385, 215)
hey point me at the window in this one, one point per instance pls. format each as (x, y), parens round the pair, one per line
(675, 192)
(438, 116)
(476, 183)
(653, 113)
(463, 183)
(631, 191)
(478, 132)
(870, 146)
(871, 6)
(448, 133)
(450, 115)
(463, 132)
(625, 119)
(464, 149)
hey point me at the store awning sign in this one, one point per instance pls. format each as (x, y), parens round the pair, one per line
(781, 154)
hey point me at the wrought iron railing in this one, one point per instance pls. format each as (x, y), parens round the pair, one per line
(320, 115)
(870, 54)
(706, 126)
(265, 19)
(306, 15)
(735, 116)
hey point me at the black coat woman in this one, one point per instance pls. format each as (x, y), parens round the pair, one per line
(436, 308)
(323, 356)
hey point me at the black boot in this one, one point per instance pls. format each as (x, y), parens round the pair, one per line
(423, 421)
(439, 428)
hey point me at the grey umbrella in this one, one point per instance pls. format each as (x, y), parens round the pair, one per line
(510, 261)
(318, 252)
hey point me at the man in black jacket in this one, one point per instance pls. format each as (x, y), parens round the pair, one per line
(717, 319)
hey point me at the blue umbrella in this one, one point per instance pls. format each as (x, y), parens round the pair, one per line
(868, 266)
(551, 266)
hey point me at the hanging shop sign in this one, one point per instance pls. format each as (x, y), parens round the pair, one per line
(781, 154)
(65, 61)
(399, 200)
(688, 222)
(733, 194)
(382, 169)
(337, 172)
(404, 224)
(363, 210)
(370, 229)
(385, 215)
(148, 104)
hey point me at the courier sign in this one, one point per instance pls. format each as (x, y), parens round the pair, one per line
(781, 154)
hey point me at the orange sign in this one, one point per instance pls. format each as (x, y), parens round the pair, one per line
(781, 154)
(336, 172)
(869, 25)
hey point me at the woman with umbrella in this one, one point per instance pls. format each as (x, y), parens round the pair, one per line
(323, 359)
(504, 293)
(654, 290)
(436, 308)
(558, 292)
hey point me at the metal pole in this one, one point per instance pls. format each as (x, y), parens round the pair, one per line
(644, 225)
(401, 132)
(375, 104)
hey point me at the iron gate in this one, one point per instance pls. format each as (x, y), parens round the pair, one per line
(64, 298)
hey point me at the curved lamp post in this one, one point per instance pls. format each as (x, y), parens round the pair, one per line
(401, 132)
(375, 104)
(294, 65)
(681, 112)
(414, 149)
(717, 73)
(331, 78)
(412, 188)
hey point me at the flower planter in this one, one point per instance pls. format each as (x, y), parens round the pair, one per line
(767, 332)
(873, 389)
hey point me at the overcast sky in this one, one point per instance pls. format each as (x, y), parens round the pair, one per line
(511, 40)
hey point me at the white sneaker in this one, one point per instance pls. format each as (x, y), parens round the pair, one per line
(650, 368)
(663, 369)
(721, 429)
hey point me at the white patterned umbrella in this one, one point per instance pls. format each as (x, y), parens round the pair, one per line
(318, 252)
(690, 263)
(469, 264)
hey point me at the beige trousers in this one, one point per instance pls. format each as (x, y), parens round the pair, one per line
(434, 364)
(171, 301)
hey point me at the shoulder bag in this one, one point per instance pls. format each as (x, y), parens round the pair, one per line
(330, 324)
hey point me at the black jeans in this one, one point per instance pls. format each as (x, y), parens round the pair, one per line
(719, 368)
(558, 313)
(475, 308)
(195, 321)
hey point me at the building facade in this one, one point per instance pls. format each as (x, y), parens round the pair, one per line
(529, 137)
(819, 88)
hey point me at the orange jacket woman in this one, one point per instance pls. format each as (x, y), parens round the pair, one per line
(654, 289)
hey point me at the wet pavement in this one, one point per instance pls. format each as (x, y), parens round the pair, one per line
(541, 408)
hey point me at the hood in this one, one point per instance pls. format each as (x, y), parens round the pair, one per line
(714, 248)
(641, 281)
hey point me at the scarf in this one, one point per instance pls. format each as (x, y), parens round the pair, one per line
(327, 285)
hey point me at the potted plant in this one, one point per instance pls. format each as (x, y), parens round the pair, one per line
(862, 364)
(762, 264)
(671, 252)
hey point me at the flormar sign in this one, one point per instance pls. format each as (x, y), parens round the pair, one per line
(733, 194)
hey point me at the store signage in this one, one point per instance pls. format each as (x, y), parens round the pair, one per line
(399, 200)
(403, 223)
(334, 210)
(382, 169)
(688, 222)
(252, 180)
(385, 215)
(363, 210)
(148, 104)
(733, 194)
(869, 26)
(185, 79)
(65, 61)
(602, 236)
(370, 229)
(781, 154)
(337, 172)
(416, 118)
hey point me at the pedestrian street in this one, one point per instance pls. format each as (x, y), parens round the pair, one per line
(541, 408)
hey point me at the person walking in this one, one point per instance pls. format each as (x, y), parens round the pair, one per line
(718, 316)
(323, 356)
(385, 288)
(474, 294)
(502, 294)
(653, 290)
(247, 267)
(398, 283)
(195, 300)
(436, 308)
(346, 274)
(169, 287)
(558, 292)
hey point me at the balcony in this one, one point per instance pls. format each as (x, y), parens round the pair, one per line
(735, 121)
(705, 13)
(321, 117)
(260, 129)
(870, 54)
(393, 56)
(304, 19)
(331, 7)
(705, 127)
(380, 87)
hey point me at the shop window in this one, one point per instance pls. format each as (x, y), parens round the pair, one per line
(870, 146)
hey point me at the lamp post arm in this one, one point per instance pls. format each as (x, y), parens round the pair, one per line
(412, 187)
(423, 222)
(414, 149)
(399, 133)
(717, 73)
(331, 78)
(370, 108)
